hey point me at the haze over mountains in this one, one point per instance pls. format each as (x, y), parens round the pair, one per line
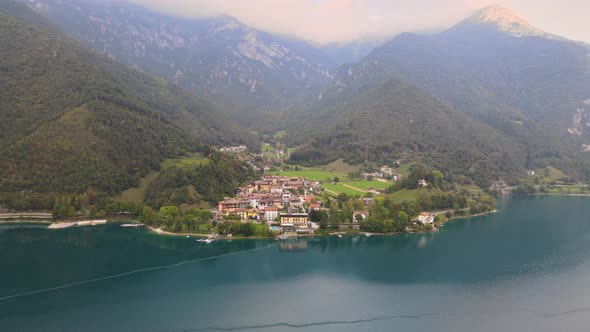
(486, 99)
(529, 86)
(244, 71)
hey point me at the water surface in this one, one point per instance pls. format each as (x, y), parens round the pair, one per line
(526, 268)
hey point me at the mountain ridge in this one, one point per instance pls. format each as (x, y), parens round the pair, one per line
(74, 120)
(529, 89)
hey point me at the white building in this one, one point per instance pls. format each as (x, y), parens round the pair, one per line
(426, 218)
(271, 213)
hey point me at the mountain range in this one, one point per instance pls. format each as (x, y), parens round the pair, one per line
(528, 86)
(246, 72)
(486, 99)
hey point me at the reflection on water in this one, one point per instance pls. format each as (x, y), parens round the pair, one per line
(292, 245)
(524, 268)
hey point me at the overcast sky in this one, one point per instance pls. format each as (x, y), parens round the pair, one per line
(325, 21)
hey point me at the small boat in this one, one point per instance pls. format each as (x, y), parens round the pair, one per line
(368, 234)
(339, 235)
(208, 241)
(188, 236)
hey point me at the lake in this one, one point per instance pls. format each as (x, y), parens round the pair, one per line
(525, 268)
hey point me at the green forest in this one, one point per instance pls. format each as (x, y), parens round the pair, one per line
(74, 121)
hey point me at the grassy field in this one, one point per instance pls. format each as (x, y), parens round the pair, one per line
(554, 174)
(338, 188)
(469, 187)
(137, 194)
(404, 170)
(404, 195)
(192, 161)
(368, 185)
(340, 168)
(575, 189)
(310, 174)
(325, 174)
(280, 134)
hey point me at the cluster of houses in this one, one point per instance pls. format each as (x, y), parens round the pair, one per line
(233, 148)
(282, 202)
(384, 172)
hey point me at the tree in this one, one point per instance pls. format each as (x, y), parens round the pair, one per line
(56, 212)
(169, 213)
(248, 229)
(93, 212)
(403, 220)
(336, 179)
(71, 212)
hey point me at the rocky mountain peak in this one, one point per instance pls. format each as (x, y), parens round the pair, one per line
(505, 20)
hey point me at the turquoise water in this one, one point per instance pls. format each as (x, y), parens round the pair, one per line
(526, 268)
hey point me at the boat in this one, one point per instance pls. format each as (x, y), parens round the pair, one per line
(208, 241)
(188, 236)
(368, 234)
(339, 235)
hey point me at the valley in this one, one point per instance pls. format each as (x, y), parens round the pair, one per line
(406, 121)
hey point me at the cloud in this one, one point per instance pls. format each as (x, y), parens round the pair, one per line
(325, 21)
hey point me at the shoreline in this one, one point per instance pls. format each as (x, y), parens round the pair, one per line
(18, 221)
(473, 215)
(296, 236)
(560, 194)
(159, 231)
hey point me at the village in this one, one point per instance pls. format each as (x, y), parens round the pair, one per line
(285, 205)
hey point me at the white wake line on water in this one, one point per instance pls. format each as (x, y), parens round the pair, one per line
(416, 316)
(162, 267)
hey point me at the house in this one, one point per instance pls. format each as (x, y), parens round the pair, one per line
(368, 201)
(387, 171)
(233, 148)
(230, 204)
(359, 215)
(371, 175)
(294, 221)
(426, 218)
(264, 187)
(422, 183)
(271, 213)
(396, 177)
(245, 214)
(315, 206)
(276, 189)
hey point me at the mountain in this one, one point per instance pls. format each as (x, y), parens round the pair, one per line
(531, 86)
(246, 72)
(383, 122)
(73, 119)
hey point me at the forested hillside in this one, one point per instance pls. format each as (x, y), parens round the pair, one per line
(380, 123)
(74, 120)
(530, 86)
